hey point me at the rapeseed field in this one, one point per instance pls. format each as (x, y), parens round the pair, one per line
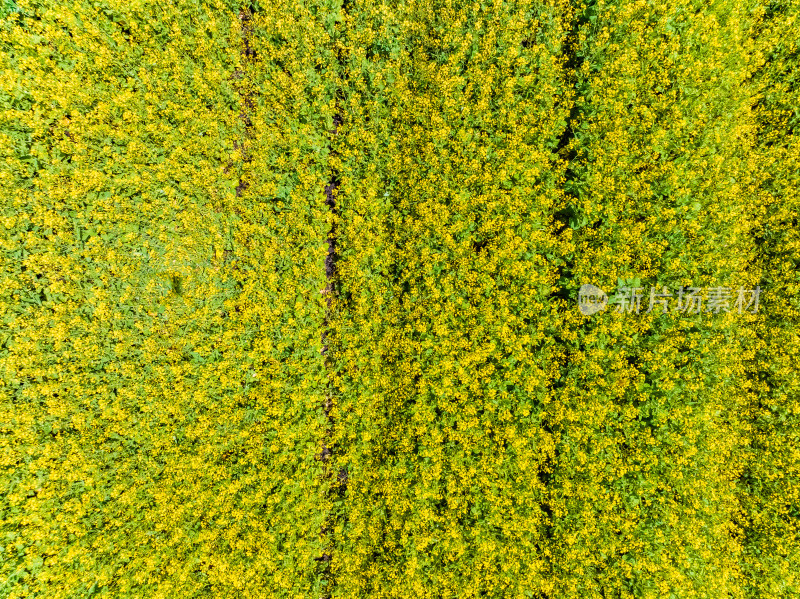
(323, 299)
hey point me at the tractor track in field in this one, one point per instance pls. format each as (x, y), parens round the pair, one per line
(329, 291)
(240, 84)
(338, 487)
(248, 54)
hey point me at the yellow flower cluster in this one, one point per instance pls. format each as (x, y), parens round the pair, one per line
(770, 489)
(499, 443)
(159, 346)
(163, 295)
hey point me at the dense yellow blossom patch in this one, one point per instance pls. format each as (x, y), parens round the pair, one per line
(770, 484)
(161, 375)
(445, 329)
(164, 169)
(500, 443)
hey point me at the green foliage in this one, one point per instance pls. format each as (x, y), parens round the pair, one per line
(770, 486)
(498, 443)
(160, 310)
(7, 7)
(162, 266)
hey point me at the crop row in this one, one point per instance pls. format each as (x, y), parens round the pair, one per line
(163, 429)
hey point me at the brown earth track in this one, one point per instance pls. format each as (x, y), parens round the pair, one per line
(329, 291)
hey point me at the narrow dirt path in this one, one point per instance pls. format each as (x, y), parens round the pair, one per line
(330, 291)
(339, 487)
